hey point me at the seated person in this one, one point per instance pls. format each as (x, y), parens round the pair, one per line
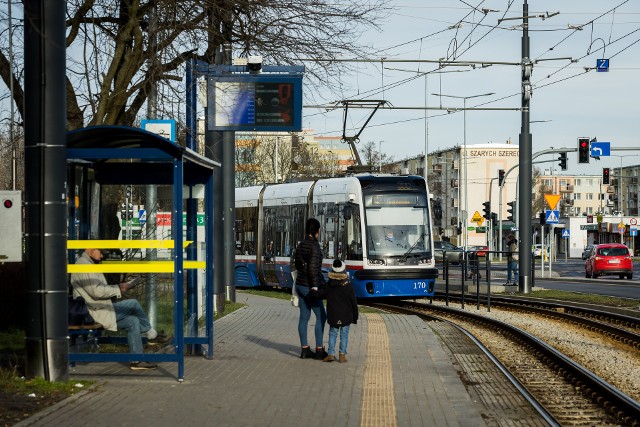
(107, 308)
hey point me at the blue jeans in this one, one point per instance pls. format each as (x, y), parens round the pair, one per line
(307, 304)
(131, 317)
(512, 266)
(344, 339)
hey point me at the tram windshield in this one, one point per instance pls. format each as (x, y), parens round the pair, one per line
(397, 225)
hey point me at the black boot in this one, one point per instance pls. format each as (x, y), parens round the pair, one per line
(320, 353)
(307, 353)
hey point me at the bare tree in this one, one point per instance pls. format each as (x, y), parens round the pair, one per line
(110, 66)
(371, 156)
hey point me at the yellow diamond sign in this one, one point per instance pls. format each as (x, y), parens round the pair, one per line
(477, 218)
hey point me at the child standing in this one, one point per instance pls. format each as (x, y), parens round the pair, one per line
(342, 310)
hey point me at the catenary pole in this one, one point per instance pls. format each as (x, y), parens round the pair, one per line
(524, 161)
(45, 155)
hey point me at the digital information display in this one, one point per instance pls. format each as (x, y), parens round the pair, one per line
(260, 103)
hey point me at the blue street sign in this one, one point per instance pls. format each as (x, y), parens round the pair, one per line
(600, 149)
(142, 215)
(633, 232)
(566, 233)
(602, 65)
(552, 217)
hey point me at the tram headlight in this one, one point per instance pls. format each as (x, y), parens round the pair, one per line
(423, 261)
(375, 261)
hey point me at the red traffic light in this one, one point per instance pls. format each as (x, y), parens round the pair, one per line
(7, 203)
(583, 150)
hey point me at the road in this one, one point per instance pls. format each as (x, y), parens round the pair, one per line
(572, 279)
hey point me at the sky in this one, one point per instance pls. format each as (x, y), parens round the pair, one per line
(567, 101)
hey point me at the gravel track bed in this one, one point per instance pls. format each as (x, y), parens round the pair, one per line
(616, 363)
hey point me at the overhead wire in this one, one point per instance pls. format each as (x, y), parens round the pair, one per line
(492, 28)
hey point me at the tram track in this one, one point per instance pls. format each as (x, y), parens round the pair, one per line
(620, 327)
(571, 394)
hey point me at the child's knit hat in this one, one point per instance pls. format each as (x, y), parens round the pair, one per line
(338, 266)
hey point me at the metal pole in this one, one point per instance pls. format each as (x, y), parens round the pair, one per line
(620, 187)
(426, 129)
(525, 163)
(499, 242)
(552, 227)
(45, 154)
(466, 175)
(14, 157)
(151, 190)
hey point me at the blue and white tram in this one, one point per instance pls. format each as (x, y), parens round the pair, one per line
(379, 225)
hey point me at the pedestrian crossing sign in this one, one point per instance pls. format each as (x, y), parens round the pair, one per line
(566, 234)
(552, 217)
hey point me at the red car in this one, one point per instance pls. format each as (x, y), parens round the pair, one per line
(609, 258)
(481, 250)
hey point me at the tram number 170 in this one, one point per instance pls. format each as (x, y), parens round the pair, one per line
(420, 285)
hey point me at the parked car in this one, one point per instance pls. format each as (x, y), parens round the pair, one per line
(587, 251)
(454, 253)
(536, 250)
(609, 258)
(481, 250)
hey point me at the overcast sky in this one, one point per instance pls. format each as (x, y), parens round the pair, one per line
(567, 102)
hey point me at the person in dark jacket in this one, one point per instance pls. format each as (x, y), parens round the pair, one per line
(342, 310)
(308, 262)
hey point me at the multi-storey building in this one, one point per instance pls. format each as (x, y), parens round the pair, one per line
(461, 181)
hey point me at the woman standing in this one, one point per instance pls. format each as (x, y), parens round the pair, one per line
(308, 261)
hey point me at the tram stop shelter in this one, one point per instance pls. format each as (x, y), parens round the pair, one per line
(115, 155)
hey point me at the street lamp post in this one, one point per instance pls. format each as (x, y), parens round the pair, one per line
(466, 194)
(620, 208)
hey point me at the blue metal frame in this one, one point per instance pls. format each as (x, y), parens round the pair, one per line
(91, 148)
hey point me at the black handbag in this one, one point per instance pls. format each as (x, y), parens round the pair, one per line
(79, 313)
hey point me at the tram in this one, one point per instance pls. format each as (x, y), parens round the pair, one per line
(378, 225)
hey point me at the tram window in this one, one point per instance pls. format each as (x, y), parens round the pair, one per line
(246, 223)
(352, 234)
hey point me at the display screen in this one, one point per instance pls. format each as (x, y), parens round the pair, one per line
(255, 103)
(414, 199)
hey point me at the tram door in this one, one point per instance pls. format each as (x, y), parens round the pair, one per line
(298, 221)
(278, 245)
(269, 246)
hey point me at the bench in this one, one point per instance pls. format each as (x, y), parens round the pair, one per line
(84, 338)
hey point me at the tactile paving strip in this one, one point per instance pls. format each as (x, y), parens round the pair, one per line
(378, 402)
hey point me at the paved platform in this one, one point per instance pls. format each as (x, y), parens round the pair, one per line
(397, 374)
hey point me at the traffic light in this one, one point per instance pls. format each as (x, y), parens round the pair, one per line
(459, 230)
(563, 161)
(511, 210)
(543, 218)
(605, 175)
(127, 192)
(494, 219)
(487, 210)
(583, 150)
(500, 177)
